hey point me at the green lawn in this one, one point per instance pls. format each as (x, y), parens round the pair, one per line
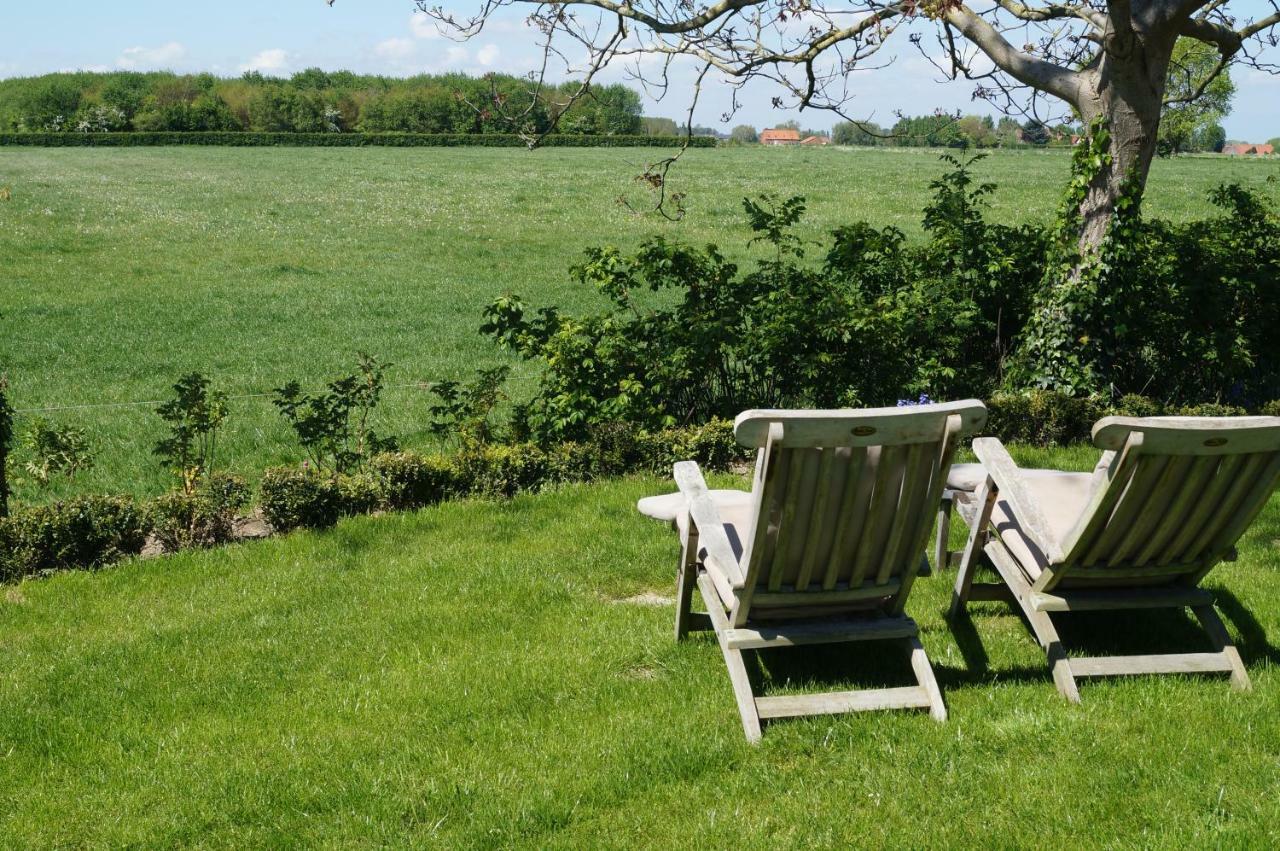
(471, 676)
(123, 268)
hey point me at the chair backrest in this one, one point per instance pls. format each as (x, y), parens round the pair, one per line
(1172, 499)
(844, 501)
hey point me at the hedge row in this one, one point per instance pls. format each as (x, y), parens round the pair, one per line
(293, 497)
(91, 531)
(87, 532)
(1045, 418)
(339, 140)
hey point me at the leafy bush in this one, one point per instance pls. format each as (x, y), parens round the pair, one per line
(712, 445)
(359, 493)
(299, 498)
(1182, 313)
(505, 470)
(1210, 409)
(409, 480)
(203, 518)
(56, 450)
(881, 319)
(194, 416)
(465, 411)
(334, 426)
(1042, 417)
(87, 531)
(1270, 409)
(1133, 405)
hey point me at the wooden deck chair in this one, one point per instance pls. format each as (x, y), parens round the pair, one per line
(1168, 500)
(823, 549)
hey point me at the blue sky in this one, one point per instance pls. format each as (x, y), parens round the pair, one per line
(383, 36)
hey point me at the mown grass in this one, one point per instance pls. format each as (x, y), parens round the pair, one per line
(122, 269)
(472, 676)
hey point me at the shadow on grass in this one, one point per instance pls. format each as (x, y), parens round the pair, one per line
(864, 665)
(1127, 632)
(1254, 646)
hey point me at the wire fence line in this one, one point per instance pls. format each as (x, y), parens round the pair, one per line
(421, 385)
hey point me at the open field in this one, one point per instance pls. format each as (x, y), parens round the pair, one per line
(124, 268)
(184, 701)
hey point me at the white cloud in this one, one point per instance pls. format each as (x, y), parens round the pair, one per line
(423, 26)
(151, 57)
(488, 54)
(274, 59)
(455, 56)
(395, 48)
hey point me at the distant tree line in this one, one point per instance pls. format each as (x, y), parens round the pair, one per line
(953, 131)
(311, 101)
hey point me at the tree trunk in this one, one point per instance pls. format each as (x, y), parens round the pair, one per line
(1127, 90)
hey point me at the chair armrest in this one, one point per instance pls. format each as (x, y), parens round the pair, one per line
(706, 519)
(1013, 490)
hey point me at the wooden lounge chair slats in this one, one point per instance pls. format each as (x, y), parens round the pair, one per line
(1162, 511)
(841, 507)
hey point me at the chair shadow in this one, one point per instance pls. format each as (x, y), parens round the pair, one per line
(967, 639)
(867, 665)
(1131, 632)
(1253, 645)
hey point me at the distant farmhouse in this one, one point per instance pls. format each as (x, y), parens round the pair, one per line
(775, 136)
(1245, 149)
(816, 140)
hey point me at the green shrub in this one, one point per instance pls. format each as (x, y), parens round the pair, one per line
(87, 531)
(203, 518)
(359, 493)
(56, 450)
(409, 480)
(1210, 409)
(1133, 405)
(1270, 409)
(505, 470)
(299, 498)
(881, 319)
(1042, 417)
(712, 445)
(194, 416)
(688, 336)
(333, 426)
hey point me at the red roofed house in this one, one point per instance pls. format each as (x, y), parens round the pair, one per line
(816, 140)
(780, 137)
(1245, 148)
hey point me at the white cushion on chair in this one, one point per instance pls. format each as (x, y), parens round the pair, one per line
(736, 509)
(965, 477)
(1061, 498)
(669, 506)
(969, 477)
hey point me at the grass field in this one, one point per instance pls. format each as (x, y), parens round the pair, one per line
(395, 682)
(124, 268)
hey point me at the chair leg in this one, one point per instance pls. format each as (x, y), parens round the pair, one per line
(686, 578)
(941, 555)
(1222, 641)
(1048, 637)
(742, 693)
(969, 558)
(924, 676)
